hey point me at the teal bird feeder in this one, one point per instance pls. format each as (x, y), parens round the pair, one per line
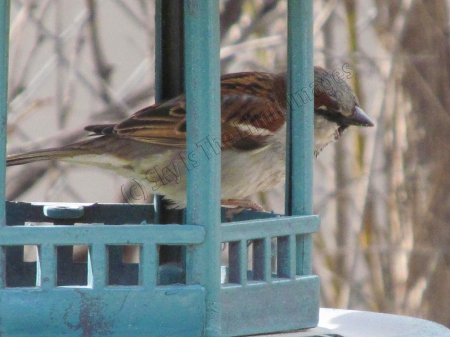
(104, 296)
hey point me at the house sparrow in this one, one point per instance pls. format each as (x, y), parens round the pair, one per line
(150, 146)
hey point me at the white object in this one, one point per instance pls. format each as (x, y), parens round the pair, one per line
(349, 323)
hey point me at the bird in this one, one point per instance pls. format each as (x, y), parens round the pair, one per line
(150, 146)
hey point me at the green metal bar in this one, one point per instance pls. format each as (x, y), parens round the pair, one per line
(243, 261)
(303, 254)
(110, 235)
(4, 47)
(268, 260)
(300, 124)
(283, 257)
(4, 43)
(149, 265)
(258, 259)
(202, 64)
(98, 266)
(292, 256)
(158, 59)
(233, 262)
(260, 228)
(47, 266)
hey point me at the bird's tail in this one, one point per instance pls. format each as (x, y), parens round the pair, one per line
(40, 155)
(94, 145)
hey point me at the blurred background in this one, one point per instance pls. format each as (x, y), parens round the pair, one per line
(383, 193)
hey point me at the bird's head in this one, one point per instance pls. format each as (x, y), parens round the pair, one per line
(336, 107)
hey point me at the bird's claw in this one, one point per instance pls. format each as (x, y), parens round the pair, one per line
(240, 205)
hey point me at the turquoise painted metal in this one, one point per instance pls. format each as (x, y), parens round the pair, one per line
(300, 125)
(202, 64)
(267, 285)
(96, 307)
(4, 48)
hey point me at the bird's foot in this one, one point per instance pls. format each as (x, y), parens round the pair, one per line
(239, 205)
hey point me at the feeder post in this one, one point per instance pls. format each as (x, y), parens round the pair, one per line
(202, 64)
(300, 124)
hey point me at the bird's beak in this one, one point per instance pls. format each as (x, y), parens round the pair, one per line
(358, 118)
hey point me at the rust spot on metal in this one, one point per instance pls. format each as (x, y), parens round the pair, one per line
(91, 316)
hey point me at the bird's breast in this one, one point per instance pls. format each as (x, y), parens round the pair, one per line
(324, 132)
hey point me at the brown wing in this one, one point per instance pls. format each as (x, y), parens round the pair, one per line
(252, 109)
(162, 124)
